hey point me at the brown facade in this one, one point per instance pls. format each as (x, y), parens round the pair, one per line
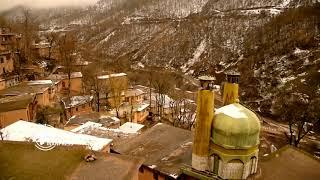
(146, 173)
(6, 63)
(79, 110)
(75, 84)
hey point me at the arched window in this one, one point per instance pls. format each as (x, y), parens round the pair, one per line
(253, 163)
(215, 164)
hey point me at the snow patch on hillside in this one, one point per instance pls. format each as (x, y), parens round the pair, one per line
(285, 4)
(196, 56)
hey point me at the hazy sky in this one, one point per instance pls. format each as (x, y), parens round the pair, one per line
(6, 4)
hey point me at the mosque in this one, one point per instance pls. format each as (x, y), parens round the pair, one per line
(226, 140)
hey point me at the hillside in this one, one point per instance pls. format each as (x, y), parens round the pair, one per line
(204, 37)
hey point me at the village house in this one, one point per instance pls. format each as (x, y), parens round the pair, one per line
(42, 91)
(8, 40)
(136, 113)
(77, 105)
(14, 108)
(75, 82)
(118, 81)
(41, 50)
(28, 131)
(64, 162)
(96, 117)
(9, 43)
(7, 76)
(134, 96)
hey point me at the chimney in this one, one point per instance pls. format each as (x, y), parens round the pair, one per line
(202, 133)
(231, 88)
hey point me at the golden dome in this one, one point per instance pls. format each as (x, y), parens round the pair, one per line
(235, 127)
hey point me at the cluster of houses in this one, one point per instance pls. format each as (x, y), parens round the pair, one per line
(104, 135)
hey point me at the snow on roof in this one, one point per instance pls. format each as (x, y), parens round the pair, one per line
(86, 126)
(112, 75)
(25, 131)
(114, 118)
(134, 92)
(142, 107)
(130, 127)
(39, 82)
(127, 128)
(77, 100)
(232, 111)
(65, 76)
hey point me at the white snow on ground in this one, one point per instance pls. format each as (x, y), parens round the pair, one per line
(284, 4)
(232, 111)
(167, 99)
(129, 20)
(287, 79)
(24, 131)
(111, 75)
(107, 38)
(196, 55)
(299, 51)
(130, 127)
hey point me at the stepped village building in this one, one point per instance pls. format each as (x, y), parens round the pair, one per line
(75, 83)
(9, 43)
(13, 108)
(42, 91)
(78, 105)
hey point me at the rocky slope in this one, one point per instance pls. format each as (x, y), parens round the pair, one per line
(201, 37)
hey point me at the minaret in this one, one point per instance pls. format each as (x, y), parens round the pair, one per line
(231, 88)
(202, 133)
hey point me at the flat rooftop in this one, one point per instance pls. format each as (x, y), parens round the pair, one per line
(12, 103)
(165, 148)
(288, 163)
(27, 131)
(95, 117)
(22, 160)
(25, 87)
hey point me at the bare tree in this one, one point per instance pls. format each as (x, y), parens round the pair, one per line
(301, 112)
(67, 50)
(116, 89)
(52, 38)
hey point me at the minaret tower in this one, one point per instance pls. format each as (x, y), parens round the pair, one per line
(231, 88)
(202, 134)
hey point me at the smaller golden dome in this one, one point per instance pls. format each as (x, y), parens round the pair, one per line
(235, 127)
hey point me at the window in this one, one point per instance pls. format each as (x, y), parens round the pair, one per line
(77, 109)
(141, 169)
(155, 176)
(1, 59)
(83, 106)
